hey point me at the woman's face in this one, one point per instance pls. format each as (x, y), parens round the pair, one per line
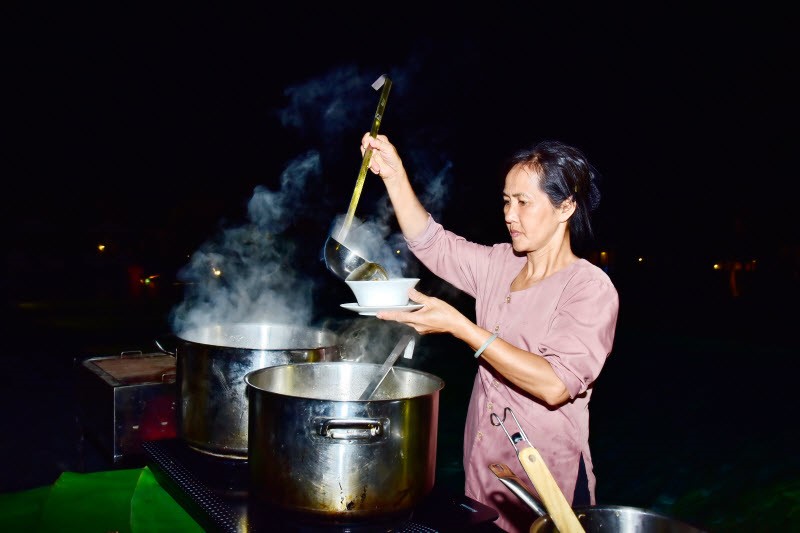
(531, 219)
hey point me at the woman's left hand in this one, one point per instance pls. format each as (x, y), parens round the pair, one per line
(436, 316)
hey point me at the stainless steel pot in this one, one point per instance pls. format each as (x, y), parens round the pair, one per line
(318, 454)
(618, 518)
(594, 518)
(211, 365)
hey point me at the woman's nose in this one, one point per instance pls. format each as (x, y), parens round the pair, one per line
(510, 214)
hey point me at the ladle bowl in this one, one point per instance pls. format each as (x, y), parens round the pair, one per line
(347, 264)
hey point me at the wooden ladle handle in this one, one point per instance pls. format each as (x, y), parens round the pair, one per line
(554, 501)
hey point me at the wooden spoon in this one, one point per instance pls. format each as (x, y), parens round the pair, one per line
(554, 501)
(531, 460)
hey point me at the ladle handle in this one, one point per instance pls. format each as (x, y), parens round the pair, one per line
(362, 173)
(554, 501)
(405, 345)
(508, 478)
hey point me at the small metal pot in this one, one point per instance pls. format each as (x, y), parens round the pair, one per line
(594, 518)
(617, 518)
(319, 454)
(211, 365)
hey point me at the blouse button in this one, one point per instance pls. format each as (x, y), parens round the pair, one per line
(480, 435)
(508, 299)
(489, 406)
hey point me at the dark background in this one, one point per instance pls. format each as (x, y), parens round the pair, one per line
(148, 130)
(155, 125)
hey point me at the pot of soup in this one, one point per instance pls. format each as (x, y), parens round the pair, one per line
(320, 454)
(211, 364)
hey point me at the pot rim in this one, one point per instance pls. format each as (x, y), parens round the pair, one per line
(638, 511)
(248, 378)
(193, 335)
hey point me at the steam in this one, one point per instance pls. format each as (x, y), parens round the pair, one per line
(248, 273)
(256, 272)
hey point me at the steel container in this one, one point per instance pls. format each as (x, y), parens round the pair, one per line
(211, 365)
(319, 454)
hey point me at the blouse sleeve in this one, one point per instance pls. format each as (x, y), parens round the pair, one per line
(581, 333)
(449, 256)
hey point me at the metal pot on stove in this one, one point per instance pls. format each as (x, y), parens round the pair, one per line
(319, 454)
(593, 518)
(211, 364)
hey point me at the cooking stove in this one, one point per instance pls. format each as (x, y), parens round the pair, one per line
(214, 491)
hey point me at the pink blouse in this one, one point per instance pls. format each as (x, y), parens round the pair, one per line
(569, 318)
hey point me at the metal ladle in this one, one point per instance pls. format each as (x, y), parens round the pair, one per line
(350, 266)
(339, 259)
(405, 347)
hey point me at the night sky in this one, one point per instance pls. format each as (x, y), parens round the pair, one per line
(151, 129)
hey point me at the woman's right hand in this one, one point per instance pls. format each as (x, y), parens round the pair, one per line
(384, 161)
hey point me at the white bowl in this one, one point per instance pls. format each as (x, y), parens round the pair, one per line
(382, 293)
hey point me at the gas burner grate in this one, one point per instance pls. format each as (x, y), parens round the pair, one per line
(213, 491)
(190, 492)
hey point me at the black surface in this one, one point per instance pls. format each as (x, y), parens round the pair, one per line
(214, 492)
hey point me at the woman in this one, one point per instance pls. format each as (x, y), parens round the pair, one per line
(545, 317)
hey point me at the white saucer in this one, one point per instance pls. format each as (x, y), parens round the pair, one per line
(372, 311)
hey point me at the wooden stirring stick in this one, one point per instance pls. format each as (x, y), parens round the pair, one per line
(531, 460)
(554, 501)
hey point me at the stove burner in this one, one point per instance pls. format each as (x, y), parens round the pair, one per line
(214, 492)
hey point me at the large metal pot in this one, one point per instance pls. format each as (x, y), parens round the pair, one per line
(211, 365)
(318, 454)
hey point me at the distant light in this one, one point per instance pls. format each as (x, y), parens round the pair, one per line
(717, 266)
(640, 259)
(217, 272)
(397, 252)
(603, 254)
(101, 247)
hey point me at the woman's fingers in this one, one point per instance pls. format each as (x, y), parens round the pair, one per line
(416, 296)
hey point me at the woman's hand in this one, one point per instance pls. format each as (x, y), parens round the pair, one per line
(436, 316)
(384, 161)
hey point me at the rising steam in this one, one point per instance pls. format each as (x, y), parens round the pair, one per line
(255, 272)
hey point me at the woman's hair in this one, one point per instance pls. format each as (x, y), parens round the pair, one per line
(564, 172)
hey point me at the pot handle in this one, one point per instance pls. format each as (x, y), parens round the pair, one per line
(543, 481)
(557, 506)
(364, 429)
(160, 343)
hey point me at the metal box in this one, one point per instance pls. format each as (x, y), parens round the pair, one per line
(127, 399)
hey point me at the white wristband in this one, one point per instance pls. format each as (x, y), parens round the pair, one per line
(485, 344)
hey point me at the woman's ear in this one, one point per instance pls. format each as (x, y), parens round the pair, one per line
(566, 209)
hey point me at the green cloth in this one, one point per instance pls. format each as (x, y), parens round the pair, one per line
(124, 501)
(21, 511)
(153, 509)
